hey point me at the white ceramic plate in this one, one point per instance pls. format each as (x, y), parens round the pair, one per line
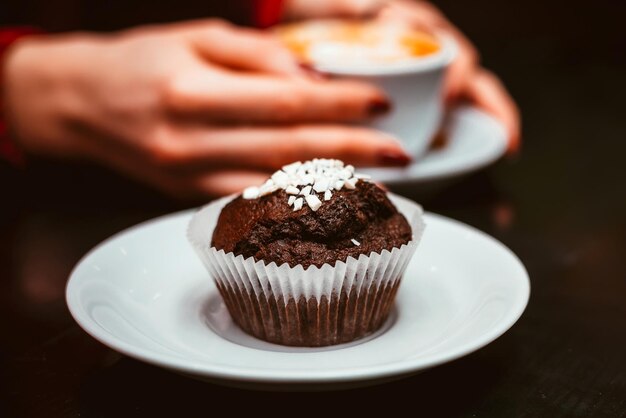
(145, 293)
(475, 140)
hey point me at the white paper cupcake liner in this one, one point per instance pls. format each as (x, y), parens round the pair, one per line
(314, 306)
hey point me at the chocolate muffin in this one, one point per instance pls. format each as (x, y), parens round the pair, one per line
(351, 223)
(313, 257)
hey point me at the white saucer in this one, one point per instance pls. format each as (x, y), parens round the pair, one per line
(145, 293)
(475, 140)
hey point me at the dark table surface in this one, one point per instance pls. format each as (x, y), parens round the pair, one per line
(561, 207)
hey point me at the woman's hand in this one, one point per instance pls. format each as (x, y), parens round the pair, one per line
(466, 79)
(199, 108)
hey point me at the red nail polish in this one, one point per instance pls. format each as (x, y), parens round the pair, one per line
(394, 158)
(515, 149)
(378, 107)
(310, 71)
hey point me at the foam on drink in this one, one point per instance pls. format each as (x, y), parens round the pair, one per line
(334, 42)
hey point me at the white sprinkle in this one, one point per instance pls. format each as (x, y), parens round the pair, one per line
(313, 202)
(291, 168)
(355, 242)
(351, 183)
(267, 189)
(321, 185)
(251, 192)
(307, 179)
(345, 174)
(280, 178)
(292, 190)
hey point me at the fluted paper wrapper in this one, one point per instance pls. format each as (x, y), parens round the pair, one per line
(312, 307)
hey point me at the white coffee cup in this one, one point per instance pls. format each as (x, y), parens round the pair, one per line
(415, 88)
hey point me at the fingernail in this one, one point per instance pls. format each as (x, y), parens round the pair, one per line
(311, 72)
(513, 155)
(439, 141)
(378, 107)
(514, 150)
(394, 158)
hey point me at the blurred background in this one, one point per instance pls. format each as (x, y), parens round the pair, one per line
(559, 205)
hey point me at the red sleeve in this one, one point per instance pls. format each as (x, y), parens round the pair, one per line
(268, 12)
(8, 149)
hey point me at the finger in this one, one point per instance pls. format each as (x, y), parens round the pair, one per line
(461, 70)
(225, 182)
(230, 97)
(269, 148)
(488, 92)
(244, 49)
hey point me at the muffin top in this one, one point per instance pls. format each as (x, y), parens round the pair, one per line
(316, 213)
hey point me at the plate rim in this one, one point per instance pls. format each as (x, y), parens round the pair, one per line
(242, 374)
